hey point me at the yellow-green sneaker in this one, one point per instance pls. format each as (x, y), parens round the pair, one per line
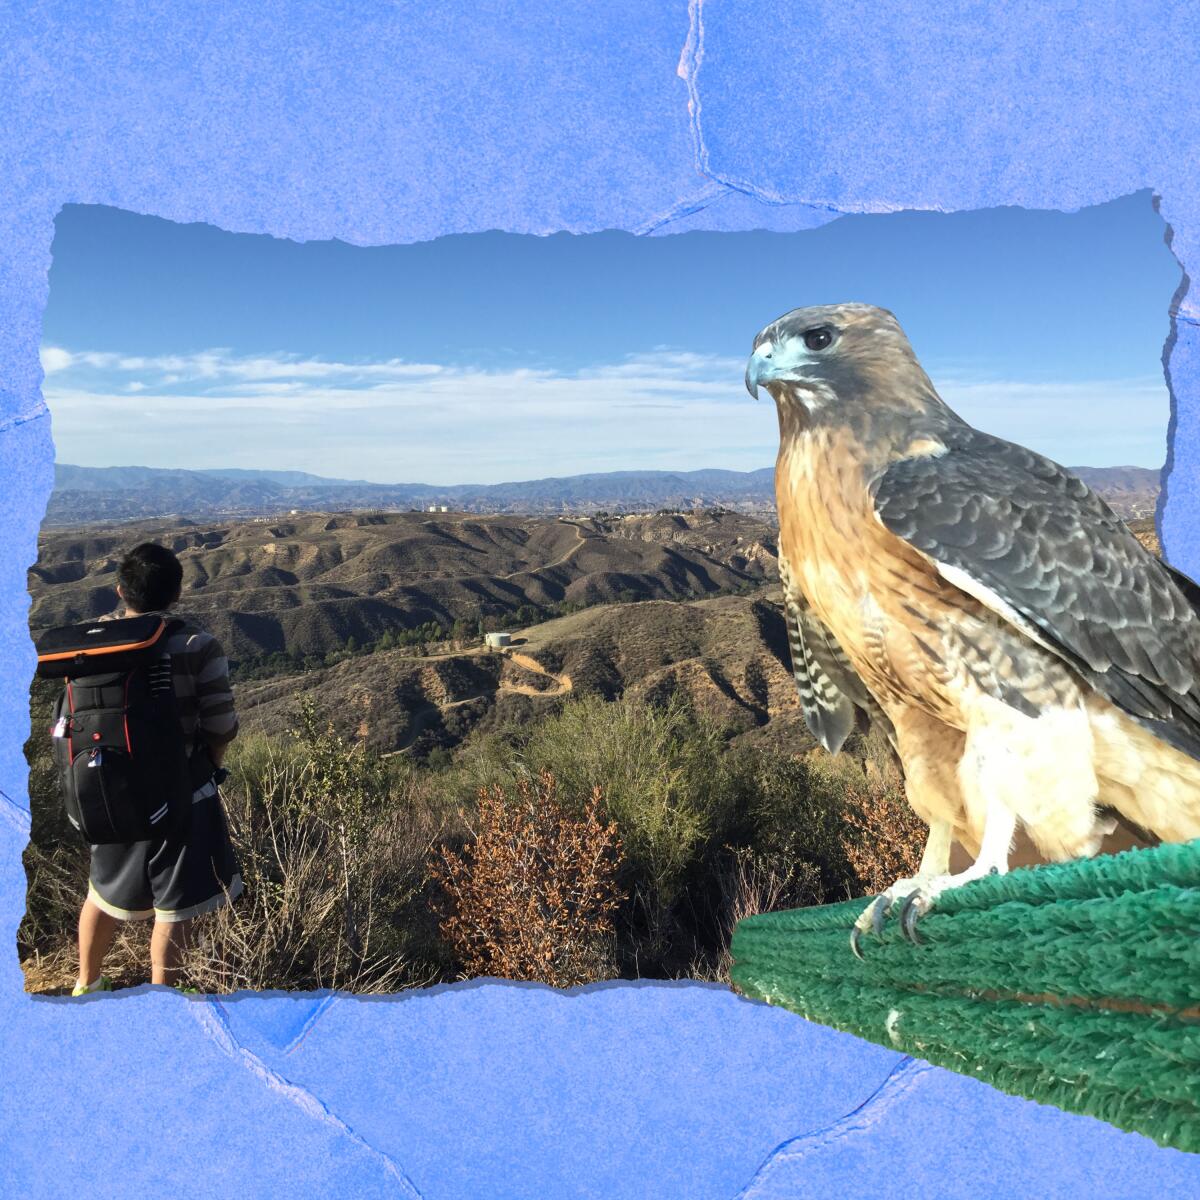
(103, 984)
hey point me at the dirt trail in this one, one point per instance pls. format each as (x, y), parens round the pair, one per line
(562, 683)
(557, 562)
(422, 717)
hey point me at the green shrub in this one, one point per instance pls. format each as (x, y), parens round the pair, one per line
(663, 773)
(335, 844)
(660, 769)
(795, 812)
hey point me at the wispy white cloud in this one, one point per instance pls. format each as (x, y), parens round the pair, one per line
(54, 358)
(395, 420)
(219, 364)
(1106, 422)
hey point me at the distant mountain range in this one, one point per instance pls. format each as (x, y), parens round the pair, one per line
(88, 495)
(91, 495)
(650, 604)
(107, 479)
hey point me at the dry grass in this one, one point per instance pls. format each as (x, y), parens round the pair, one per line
(851, 813)
(333, 854)
(752, 884)
(332, 849)
(57, 875)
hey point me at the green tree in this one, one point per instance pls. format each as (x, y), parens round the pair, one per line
(662, 771)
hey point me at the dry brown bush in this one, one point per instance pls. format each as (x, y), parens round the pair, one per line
(883, 837)
(532, 895)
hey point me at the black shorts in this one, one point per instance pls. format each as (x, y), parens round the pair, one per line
(169, 880)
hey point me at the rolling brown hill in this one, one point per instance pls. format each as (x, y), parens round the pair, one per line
(684, 602)
(727, 654)
(1143, 529)
(307, 584)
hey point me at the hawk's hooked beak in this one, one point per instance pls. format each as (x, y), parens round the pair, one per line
(758, 369)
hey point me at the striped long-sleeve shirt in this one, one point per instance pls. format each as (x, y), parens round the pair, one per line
(200, 672)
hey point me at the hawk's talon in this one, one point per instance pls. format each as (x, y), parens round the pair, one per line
(910, 913)
(879, 911)
(873, 915)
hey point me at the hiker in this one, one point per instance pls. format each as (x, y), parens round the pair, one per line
(170, 879)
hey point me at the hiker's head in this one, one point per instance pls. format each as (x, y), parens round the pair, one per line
(149, 578)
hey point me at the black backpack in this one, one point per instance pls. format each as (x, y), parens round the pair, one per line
(120, 750)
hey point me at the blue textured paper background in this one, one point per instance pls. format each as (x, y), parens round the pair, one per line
(381, 123)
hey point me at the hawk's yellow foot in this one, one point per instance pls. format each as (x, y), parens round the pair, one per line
(872, 918)
(919, 902)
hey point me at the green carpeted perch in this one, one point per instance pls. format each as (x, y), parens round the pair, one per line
(1076, 985)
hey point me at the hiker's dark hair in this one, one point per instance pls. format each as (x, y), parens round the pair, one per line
(150, 577)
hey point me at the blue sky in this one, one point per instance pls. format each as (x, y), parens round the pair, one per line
(490, 357)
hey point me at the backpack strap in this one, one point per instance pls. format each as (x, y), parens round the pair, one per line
(161, 675)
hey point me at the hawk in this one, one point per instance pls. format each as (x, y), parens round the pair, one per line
(1032, 663)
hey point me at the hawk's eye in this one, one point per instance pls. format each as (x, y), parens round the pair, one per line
(818, 339)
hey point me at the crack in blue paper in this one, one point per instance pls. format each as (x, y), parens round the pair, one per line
(862, 1119)
(685, 208)
(691, 59)
(212, 1021)
(283, 1021)
(38, 413)
(14, 813)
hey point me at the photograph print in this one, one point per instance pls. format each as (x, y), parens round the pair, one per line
(418, 613)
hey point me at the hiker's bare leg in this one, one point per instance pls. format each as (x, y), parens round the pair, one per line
(167, 944)
(96, 931)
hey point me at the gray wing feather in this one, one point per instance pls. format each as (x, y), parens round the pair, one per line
(830, 689)
(1050, 549)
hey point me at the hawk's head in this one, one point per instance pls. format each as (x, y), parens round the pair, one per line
(836, 355)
